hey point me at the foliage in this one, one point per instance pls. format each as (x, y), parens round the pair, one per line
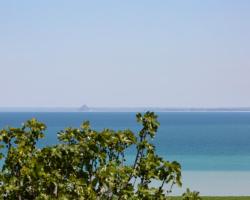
(189, 195)
(86, 164)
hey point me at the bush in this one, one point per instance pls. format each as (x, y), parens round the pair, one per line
(189, 195)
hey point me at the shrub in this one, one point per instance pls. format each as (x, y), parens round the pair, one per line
(86, 164)
(189, 195)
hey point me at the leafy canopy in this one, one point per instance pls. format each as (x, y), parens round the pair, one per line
(86, 164)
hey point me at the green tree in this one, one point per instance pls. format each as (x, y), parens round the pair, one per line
(86, 164)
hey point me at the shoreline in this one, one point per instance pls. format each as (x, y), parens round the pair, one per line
(87, 109)
(110, 111)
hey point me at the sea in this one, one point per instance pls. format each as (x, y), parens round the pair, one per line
(213, 148)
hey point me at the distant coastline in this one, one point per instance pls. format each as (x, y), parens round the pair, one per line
(85, 108)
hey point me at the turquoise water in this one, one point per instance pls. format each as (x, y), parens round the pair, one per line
(198, 140)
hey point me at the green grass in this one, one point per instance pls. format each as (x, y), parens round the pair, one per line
(226, 198)
(217, 198)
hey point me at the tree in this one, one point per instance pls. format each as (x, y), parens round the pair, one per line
(86, 164)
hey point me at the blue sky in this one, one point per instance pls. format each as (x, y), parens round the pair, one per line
(125, 53)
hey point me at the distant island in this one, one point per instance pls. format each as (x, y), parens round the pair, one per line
(85, 108)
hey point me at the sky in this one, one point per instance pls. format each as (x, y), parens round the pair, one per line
(125, 53)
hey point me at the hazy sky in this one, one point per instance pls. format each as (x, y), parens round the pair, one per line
(125, 53)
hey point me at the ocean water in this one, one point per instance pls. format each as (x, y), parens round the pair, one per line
(212, 147)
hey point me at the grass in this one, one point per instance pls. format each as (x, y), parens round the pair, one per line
(226, 198)
(218, 198)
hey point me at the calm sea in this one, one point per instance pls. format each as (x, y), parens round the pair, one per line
(203, 142)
